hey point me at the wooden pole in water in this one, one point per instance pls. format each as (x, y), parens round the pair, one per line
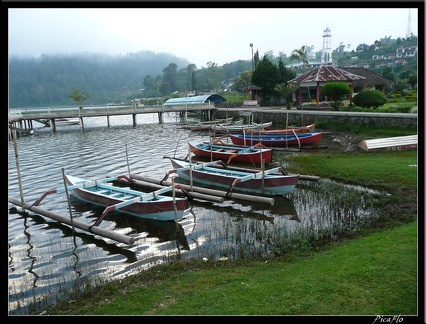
(286, 133)
(174, 154)
(127, 159)
(68, 199)
(263, 175)
(84, 226)
(15, 145)
(190, 171)
(174, 204)
(211, 147)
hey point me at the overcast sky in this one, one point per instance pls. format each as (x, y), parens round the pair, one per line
(200, 35)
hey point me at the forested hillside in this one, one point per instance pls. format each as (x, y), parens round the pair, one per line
(48, 80)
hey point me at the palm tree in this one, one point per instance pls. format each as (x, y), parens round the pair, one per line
(301, 55)
(286, 90)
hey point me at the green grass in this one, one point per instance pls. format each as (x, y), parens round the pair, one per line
(389, 169)
(372, 275)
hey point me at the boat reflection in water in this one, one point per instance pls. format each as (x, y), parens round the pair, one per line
(143, 229)
(283, 208)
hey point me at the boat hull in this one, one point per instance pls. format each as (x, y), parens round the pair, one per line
(276, 140)
(271, 184)
(159, 208)
(229, 154)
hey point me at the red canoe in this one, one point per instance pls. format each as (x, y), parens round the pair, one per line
(289, 130)
(227, 153)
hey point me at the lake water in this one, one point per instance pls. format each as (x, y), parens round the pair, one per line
(46, 258)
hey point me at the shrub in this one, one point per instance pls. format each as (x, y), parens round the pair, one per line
(336, 92)
(411, 96)
(369, 98)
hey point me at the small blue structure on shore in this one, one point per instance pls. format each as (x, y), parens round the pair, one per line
(214, 99)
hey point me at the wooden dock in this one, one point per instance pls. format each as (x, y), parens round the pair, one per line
(395, 143)
(24, 120)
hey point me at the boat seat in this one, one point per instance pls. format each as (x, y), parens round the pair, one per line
(117, 195)
(219, 150)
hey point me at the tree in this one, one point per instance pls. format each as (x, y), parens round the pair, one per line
(335, 91)
(266, 76)
(386, 73)
(191, 69)
(193, 82)
(400, 86)
(170, 76)
(412, 80)
(286, 90)
(242, 81)
(285, 73)
(213, 76)
(150, 83)
(300, 55)
(165, 88)
(79, 96)
(256, 59)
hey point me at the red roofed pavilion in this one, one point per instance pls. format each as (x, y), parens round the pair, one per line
(320, 76)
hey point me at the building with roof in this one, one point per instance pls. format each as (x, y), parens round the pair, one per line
(358, 79)
(316, 78)
(372, 80)
(213, 99)
(252, 92)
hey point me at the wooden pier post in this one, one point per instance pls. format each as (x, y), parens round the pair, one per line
(134, 120)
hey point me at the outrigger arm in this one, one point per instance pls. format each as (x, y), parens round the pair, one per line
(86, 184)
(150, 195)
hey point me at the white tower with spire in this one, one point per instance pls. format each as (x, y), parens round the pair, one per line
(326, 47)
(408, 35)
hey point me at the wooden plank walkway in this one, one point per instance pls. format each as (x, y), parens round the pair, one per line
(399, 142)
(24, 120)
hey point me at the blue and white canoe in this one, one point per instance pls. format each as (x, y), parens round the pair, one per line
(216, 174)
(151, 205)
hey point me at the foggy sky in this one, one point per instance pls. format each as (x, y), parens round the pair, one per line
(200, 35)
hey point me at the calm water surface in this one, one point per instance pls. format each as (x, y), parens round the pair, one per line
(46, 257)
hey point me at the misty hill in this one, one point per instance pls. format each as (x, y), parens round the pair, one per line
(49, 79)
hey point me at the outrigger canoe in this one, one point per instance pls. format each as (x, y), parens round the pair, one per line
(223, 129)
(289, 130)
(205, 125)
(232, 153)
(276, 140)
(152, 205)
(216, 174)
